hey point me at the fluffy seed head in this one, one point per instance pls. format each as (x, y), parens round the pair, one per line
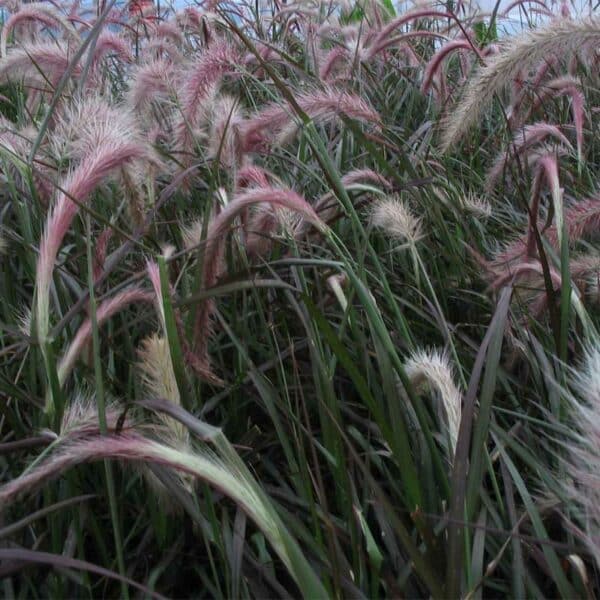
(85, 125)
(278, 122)
(571, 87)
(38, 13)
(477, 205)
(152, 82)
(560, 38)
(583, 458)
(394, 217)
(191, 234)
(159, 380)
(200, 80)
(217, 231)
(81, 417)
(226, 476)
(110, 43)
(98, 162)
(431, 368)
(435, 63)
(224, 139)
(523, 144)
(37, 64)
(106, 310)
(157, 369)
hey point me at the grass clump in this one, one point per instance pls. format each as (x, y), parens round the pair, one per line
(318, 285)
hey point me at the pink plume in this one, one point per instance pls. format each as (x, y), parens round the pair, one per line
(523, 269)
(436, 60)
(409, 17)
(199, 363)
(521, 2)
(199, 78)
(565, 11)
(252, 176)
(105, 311)
(78, 185)
(169, 31)
(567, 86)
(582, 219)
(152, 81)
(522, 142)
(523, 87)
(547, 168)
(110, 42)
(100, 252)
(401, 41)
(51, 59)
(331, 59)
(36, 12)
(365, 175)
(323, 105)
(217, 231)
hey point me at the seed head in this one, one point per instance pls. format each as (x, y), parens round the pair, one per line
(393, 216)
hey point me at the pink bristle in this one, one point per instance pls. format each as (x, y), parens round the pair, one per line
(332, 58)
(365, 175)
(100, 252)
(262, 225)
(401, 41)
(565, 11)
(208, 69)
(170, 31)
(527, 86)
(521, 2)
(582, 219)
(224, 143)
(36, 13)
(250, 176)
(522, 269)
(546, 168)
(198, 362)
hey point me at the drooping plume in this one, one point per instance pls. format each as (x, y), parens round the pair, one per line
(560, 38)
(321, 106)
(430, 368)
(38, 65)
(395, 218)
(106, 310)
(102, 148)
(217, 230)
(200, 80)
(583, 458)
(38, 13)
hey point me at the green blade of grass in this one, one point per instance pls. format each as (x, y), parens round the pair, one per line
(464, 483)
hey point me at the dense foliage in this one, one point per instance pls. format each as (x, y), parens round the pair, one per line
(299, 300)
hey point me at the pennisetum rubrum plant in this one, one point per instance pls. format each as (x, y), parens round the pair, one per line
(319, 286)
